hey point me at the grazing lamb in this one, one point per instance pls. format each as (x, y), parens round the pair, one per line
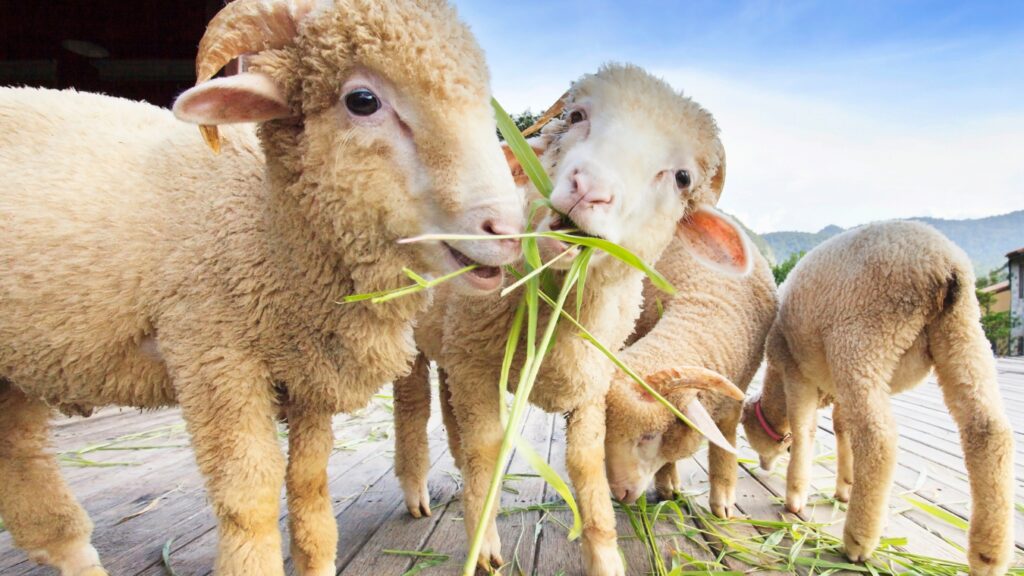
(865, 315)
(715, 321)
(635, 195)
(141, 270)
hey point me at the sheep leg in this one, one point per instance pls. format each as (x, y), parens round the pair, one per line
(802, 407)
(872, 436)
(314, 532)
(478, 413)
(844, 454)
(666, 481)
(585, 432)
(412, 451)
(967, 376)
(451, 426)
(229, 408)
(722, 465)
(37, 507)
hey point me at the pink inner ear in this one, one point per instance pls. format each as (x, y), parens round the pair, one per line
(247, 97)
(230, 105)
(715, 239)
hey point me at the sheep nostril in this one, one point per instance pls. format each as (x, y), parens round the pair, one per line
(498, 228)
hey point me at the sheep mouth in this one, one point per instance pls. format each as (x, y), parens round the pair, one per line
(482, 277)
(562, 223)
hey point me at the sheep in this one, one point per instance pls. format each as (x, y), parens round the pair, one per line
(141, 270)
(635, 195)
(867, 314)
(716, 322)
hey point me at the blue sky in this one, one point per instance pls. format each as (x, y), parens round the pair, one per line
(831, 112)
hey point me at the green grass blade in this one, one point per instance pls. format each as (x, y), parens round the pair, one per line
(585, 255)
(165, 554)
(522, 151)
(939, 513)
(528, 377)
(619, 252)
(555, 481)
(538, 270)
(511, 344)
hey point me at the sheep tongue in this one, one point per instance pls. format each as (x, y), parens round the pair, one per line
(704, 424)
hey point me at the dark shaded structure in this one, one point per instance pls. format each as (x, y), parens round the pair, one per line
(143, 50)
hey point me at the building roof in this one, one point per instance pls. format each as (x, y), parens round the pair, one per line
(1017, 252)
(997, 287)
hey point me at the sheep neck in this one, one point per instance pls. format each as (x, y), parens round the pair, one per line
(773, 403)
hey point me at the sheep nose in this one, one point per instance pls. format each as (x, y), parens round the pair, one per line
(587, 192)
(499, 228)
(496, 227)
(623, 494)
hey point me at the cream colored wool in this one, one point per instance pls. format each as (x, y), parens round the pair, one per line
(715, 321)
(867, 314)
(142, 270)
(466, 336)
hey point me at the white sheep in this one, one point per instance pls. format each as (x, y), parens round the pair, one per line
(141, 270)
(629, 160)
(865, 315)
(717, 322)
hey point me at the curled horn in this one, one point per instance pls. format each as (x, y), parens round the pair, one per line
(626, 402)
(548, 116)
(241, 27)
(694, 377)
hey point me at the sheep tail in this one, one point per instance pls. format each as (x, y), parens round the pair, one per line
(950, 291)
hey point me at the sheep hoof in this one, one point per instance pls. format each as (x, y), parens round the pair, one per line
(666, 492)
(858, 549)
(795, 502)
(988, 564)
(490, 553)
(842, 494)
(602, 559)
(417, 500)
(723, 511)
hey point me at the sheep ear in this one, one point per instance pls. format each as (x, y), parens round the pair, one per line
(247, 97)
(539, 144)
(716, 241)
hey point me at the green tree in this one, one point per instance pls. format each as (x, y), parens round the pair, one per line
(995, 324)
(523, 120)
(782, 270)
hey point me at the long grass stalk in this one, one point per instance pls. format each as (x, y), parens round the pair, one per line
(528, 377)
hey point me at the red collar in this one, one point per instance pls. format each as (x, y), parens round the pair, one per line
(766, 426)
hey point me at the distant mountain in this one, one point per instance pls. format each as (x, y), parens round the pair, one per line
(986, 240)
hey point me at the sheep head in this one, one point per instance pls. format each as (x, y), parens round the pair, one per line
(375, 116)
(642, 436)
(767, 432)
(629, 158)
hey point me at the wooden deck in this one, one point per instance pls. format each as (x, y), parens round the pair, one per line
(135, 474)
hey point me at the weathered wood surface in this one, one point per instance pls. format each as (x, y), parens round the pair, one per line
(135, 475)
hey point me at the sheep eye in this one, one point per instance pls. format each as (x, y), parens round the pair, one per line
(683, 179)
(577, 116)
(362, 102)
(648, 437)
